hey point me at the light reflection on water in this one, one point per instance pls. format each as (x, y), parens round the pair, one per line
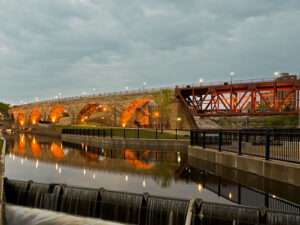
(48, 160)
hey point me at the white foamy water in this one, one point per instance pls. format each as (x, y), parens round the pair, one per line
(17, 215)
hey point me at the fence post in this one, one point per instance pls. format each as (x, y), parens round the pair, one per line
(267, 145)
(104, 132)
(156, 133)
(176, 135)
(203, 139)
(220, 140)
(111, 133)
(138, 133)
(124, 132)
(240, 142)
(191, 137)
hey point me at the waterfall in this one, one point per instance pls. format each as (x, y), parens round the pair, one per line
(214, 213)
(132, 208)
(16, 192)
(163, 211)
(80, 201)
(36, 195)
(121, 207)
(277, 218)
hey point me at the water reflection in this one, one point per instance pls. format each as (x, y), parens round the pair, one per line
(168, 174)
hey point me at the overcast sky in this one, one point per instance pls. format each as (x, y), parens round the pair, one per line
(71, 46)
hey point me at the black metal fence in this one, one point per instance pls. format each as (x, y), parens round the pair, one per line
(128, 133)
(281, 145)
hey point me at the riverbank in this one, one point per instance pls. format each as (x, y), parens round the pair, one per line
(45, 131)
(2, 169)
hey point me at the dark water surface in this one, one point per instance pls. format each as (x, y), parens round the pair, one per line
(161, 173)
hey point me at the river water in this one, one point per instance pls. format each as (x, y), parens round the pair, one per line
(161, 173)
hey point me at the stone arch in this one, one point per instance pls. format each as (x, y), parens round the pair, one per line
(21, 119)
(89, 109)
(136, 114)
(55, 113)
(34, 117)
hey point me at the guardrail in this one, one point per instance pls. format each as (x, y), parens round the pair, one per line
(138, 91)
(127, 133)
(267, 144)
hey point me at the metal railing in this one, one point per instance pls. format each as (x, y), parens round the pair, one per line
(268, 144)
(128, 133)
(150, 90)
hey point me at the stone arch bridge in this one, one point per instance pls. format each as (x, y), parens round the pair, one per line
(126, 109)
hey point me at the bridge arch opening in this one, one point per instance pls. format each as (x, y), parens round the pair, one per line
(34, 117)
(137, 114)
(21, 119)
(91, 108)
(56, 113)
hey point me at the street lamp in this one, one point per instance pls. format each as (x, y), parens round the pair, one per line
(59, 95)
(178, 121)
(36, 99)
(231, 75)
(84, 93)
(94, 90)
(102, 118)
(56, 97)
(126, 88)
(144, 84)
(276, 74)
(201, 81)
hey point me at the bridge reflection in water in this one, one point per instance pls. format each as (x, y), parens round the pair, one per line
(159, 173)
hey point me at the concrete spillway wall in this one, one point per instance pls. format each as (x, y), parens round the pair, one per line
(131, 143)
(277, 170)
(141, 209)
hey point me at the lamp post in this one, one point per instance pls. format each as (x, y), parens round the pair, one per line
(201, 81)
(276, 74)
(144, 84)
(231, 75)
(94, 90)
(126, 88)
(178, 120)
(102, 118)
(59, 95)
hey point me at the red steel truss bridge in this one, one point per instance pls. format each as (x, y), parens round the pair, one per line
(242, 98)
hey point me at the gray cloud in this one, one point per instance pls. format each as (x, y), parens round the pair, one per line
(72, 46)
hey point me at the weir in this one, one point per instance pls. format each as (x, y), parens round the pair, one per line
(141, 209)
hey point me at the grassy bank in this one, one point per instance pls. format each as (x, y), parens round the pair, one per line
(129, 132)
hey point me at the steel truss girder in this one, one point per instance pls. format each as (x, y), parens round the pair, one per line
(240, 99)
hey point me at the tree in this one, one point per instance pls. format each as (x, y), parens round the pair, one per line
(163, 99)
(4, 107)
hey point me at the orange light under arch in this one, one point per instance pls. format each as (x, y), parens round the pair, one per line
(21, 120)
(130, 109)
(88, 110)
(56, 113)
(34, 117)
